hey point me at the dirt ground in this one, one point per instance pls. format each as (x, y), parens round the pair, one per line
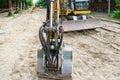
(96, 53)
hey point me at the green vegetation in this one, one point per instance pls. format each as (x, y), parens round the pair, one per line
(2, 3)
(41, 3)
(116, 13)
(118, 2)
(29, 3)
(15, 6)
(10, 14)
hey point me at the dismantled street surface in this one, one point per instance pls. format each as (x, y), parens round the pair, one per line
(96, 53)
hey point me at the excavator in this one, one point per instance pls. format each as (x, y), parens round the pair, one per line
(54, 58)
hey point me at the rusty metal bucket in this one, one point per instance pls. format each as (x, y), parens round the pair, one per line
(78, 25)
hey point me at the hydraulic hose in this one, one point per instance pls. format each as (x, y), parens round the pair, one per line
(61, 40)
(44, 45)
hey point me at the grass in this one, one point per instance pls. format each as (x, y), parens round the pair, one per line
(103, 16)
(19, 11)
(10, 14)
(15, 12)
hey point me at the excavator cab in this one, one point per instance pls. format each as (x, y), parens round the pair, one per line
(81, 4)
(81, 7)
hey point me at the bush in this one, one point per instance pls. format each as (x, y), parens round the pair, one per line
(116, 14)
(10, 14)
(18, 11)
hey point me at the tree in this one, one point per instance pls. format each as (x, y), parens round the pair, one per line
(41, 3)
(24, 5)
(29, 3)
(17, 5)
(118, 2)
(20, 4)
(2, 3)
(10, 8)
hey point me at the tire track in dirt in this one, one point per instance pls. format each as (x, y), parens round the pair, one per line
(99, 49)
(113, 45)
(113, 39)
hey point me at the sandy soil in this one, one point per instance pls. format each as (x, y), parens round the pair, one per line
(96, 53)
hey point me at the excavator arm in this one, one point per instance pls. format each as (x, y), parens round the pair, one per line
(54, 34)
(53, 57)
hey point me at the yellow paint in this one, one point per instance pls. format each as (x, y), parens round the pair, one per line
(82, 12)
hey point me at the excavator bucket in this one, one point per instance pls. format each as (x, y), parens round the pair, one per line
(65, 64)
(77, 25)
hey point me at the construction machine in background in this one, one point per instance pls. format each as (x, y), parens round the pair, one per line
(76, 16)
(54, 59)
(75, 9)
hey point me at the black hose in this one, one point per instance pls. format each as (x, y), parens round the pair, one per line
(61, 39)
(48, 10)
(44, 45)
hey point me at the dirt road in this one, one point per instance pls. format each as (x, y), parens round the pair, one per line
(96, 53)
